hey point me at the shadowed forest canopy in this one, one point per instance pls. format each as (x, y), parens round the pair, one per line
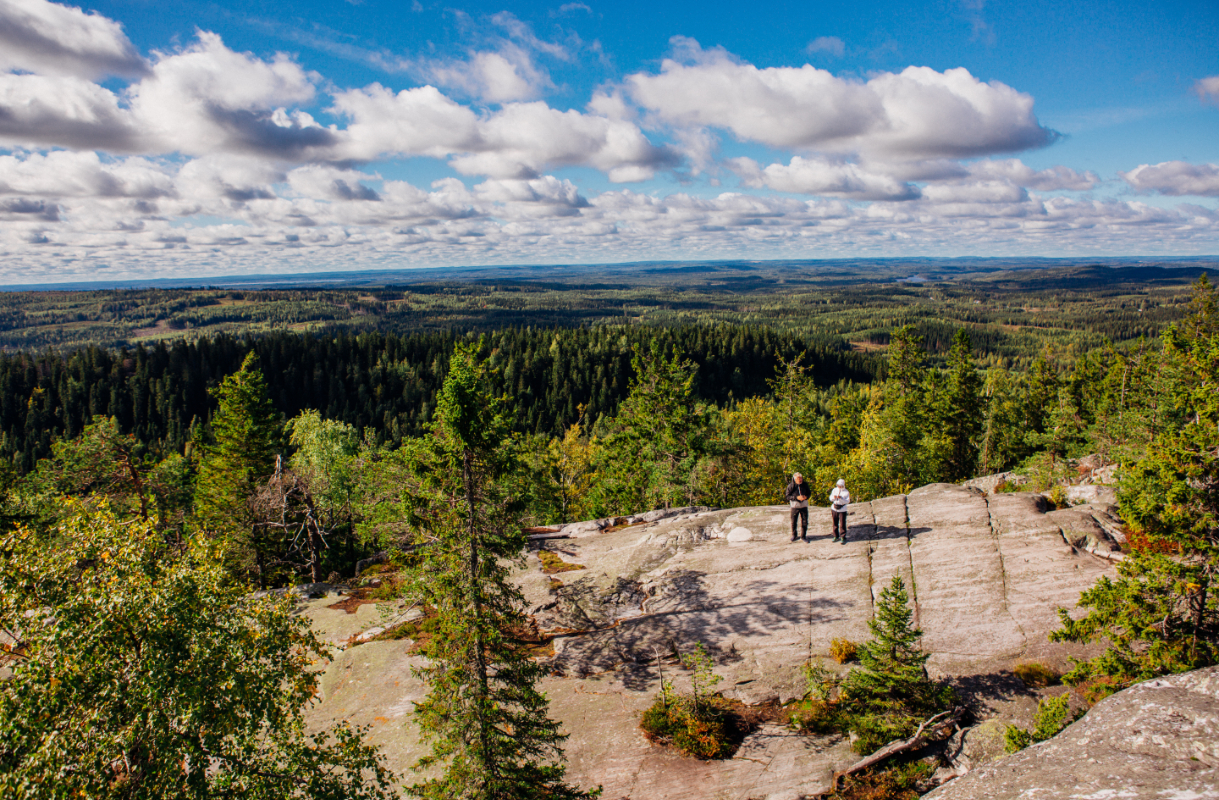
(383, 383)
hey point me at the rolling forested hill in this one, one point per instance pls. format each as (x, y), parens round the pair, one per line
(1011, 313)
(562, 340)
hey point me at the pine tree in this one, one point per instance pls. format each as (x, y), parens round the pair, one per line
(246, 437)
(486, 720)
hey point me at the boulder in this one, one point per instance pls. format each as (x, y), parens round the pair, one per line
(739, 534)
(1095, 530)
(666, 513)
(312, 591)
(987, 484)
(1105, 475)
(1157, 739)
(1091, 494)
(592, 527)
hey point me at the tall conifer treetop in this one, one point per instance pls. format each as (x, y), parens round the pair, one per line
(491, 736)
(246, 438)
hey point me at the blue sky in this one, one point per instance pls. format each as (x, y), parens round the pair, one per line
(142, 139)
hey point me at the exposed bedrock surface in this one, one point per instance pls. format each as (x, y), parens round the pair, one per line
(986, 574)
(1159, 739)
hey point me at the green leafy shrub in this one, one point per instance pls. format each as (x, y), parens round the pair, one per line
(843, 650)
(817, 713)
(152, 674)
(699, 724)
(1036, 674)
(1053, 714)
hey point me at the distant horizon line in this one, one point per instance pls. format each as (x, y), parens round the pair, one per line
(373, 278)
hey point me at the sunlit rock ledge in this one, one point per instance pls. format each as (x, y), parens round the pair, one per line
(986, 574)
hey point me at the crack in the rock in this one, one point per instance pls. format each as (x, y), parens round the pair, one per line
(868, 551)
(910, 557)
(990, 520)
(1065, 540)
(994, 532)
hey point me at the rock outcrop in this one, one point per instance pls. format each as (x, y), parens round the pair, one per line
(1159, 739)
(986, 575)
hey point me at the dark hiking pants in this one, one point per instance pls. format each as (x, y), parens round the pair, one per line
(840, 523)
(802, 515)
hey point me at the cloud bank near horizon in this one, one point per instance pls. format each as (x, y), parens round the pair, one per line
(210, 160)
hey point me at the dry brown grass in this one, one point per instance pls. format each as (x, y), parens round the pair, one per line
(843, 650)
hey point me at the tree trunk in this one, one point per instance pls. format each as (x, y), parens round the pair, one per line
(476, 603)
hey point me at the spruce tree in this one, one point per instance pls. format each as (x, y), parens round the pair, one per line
(246, 436)
(894, 666)
(658, 437)
(960, 411)
(891, 693)
(483, 715)
(1161, 613)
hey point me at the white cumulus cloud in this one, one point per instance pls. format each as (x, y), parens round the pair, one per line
(63, 173)
(1175, 178)
(494, 77)
(207, 98)
(517, 142)
(52, 39)
(51, 111)
(917, 113)
(823, 177)
(1056, 178)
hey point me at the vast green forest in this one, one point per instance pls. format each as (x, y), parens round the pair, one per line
(153, 485)
(1011, 312)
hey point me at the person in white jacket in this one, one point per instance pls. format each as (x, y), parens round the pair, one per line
(840, 498)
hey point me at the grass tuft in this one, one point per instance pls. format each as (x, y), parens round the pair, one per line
(1037, 675)
(552, 563)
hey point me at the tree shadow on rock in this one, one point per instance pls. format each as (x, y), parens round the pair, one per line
(895, 532)
(979, 692)
(681, 611)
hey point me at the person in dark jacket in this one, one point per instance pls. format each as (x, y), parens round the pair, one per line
(797, 497)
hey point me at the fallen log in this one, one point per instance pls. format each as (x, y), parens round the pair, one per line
(927, 732)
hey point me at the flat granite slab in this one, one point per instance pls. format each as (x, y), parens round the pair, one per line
(986, 575)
